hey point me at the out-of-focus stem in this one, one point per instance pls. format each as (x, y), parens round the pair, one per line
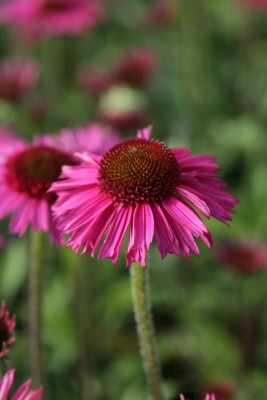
(35, 306)
(145, 329)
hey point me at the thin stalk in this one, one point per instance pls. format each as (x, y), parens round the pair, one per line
(145, 329)
(35, 307)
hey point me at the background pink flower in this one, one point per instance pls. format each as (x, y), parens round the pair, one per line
(95, 80)
(17, 77)
(144, 185)
(136, 66)
(23, 393)
(244, 256)
(28, 170)
(41, 17)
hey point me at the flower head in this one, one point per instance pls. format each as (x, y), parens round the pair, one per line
(144, 185)
(17, 77)
(7, 326)
(162, 13)
(245, 256)
(136, 67)
(23, 393)
(46, 17)
(28, 170)
(95, 80)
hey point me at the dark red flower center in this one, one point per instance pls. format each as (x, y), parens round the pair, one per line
(34, 170)
(4, 333)
(139, 170)
(58, 5)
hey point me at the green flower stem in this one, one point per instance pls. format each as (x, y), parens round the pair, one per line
(145, 329)
(35, 306)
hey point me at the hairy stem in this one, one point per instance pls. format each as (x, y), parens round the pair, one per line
(145, 329)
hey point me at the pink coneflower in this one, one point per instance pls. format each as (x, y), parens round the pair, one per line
(136, 67)
(7, 326)
(143, 185)
(95, 80)
(42, 17)
(245, 256)
(17, 78)
(28, 170)
(23, 393)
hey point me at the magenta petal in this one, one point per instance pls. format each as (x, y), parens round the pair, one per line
(95, 206)
(183, 215)
(112, 244)
(22, 391)
(180, 152)
(22, 217)
(141, 234)
(145, 133)
(99, 227)
(194, 200)
(40, 220)
(163, 233)
(6, 383)
(92, 233)
(9, 202)
(34, 395)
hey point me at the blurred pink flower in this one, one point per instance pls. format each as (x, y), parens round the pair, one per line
(162, 13)
(243, 256)
(144, 185)
(224, 390)
(28, 170)
(58, 17)
(17, 77)
(23, 393)
(261, 4)
(136, 66)
(7, 326)
(95, 80)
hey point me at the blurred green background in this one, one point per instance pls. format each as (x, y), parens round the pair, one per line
(209, 93)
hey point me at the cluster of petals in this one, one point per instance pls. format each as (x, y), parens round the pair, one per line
(17, 77)
(23, 393)
(7, 326)
(23, 192)
(208, 397)
(243, 256)
(46, 17)
(89, 213)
